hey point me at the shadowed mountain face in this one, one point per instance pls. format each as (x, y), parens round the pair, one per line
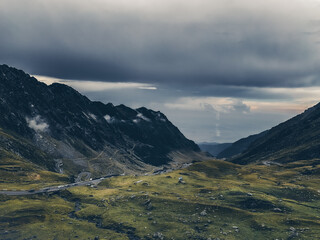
(79, 134)
(239, 146)
(295, 139)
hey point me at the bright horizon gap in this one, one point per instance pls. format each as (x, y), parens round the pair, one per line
(88, 86)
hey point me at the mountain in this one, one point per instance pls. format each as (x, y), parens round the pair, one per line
(213, 148)
(58, 128)
(295, 139)
(239, 146)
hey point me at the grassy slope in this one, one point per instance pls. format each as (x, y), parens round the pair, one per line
(17, 173)
(218, 200)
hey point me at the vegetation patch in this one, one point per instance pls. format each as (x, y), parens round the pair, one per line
(254, 202)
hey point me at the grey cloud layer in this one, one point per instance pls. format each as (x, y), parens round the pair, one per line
(248, 53)
(187, 44)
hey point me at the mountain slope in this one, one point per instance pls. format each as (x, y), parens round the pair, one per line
(214, 148)
(295, 139)
(240, 146)
(80, 135)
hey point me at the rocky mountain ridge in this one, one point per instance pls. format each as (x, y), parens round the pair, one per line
(82, 135)
(293, 140)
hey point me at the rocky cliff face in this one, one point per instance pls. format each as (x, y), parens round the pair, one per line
(81, 135)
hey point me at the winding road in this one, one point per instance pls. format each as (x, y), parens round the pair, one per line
(84, 183)
(54, 188)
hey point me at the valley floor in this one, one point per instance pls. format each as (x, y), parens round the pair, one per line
(212, 200)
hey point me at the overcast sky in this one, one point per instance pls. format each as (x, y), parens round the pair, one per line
(219, 69)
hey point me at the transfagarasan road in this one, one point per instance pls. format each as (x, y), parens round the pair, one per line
(55, 188)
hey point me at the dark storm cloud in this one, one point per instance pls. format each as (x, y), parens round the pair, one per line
(193, 46)
(67, 65)
(71, 66)
(220, 70)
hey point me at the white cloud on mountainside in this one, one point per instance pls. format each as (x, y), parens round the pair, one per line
(37, 123)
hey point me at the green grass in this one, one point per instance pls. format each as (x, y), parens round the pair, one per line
(217, 200)
(44, 218)
(20, 174)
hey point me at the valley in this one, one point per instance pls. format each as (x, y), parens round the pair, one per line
(71, 168)
(214, 200)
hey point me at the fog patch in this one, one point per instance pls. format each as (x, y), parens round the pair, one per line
(136, 121)
(94, 117)
(37, 124)
(109, 119)
(218, 132)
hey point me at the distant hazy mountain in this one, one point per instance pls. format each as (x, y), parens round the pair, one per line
(295, 139)
(239, 146)
(57, 127)
(214, 148)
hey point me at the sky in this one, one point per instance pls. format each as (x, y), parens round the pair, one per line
(219, 69)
